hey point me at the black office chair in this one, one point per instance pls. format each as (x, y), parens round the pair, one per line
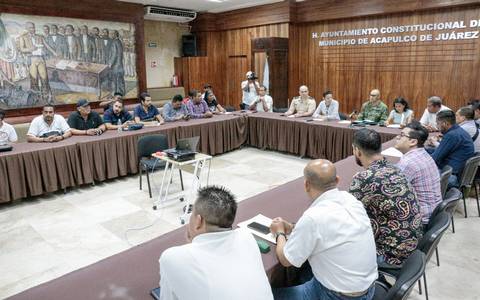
(413, 268)
(146, 146)
(343, 116)
(448, 204)
(466, 180)
(444, 175)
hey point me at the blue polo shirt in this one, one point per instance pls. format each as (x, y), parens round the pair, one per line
(151, 112)
(454, 150)
(110, 117)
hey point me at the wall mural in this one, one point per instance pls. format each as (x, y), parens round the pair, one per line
(60, 60)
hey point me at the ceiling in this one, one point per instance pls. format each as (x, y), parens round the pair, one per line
(213, 6)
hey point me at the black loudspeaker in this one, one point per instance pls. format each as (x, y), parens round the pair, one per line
(189, 45)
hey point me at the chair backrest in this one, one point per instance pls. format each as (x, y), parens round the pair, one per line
(342, 116)
(435, 229)
(448, 203)
(412, 269)
(469, 171)
(149, 144)
(444, 174)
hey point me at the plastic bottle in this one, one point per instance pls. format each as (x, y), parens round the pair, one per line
(119, 124)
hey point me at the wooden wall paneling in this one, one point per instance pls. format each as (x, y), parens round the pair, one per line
(412, 70)
(237, 66)
(107, 10)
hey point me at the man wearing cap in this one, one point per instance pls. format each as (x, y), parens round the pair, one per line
(84, 121)
(249, 89)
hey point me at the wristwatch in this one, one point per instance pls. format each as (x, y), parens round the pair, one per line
(279, 234)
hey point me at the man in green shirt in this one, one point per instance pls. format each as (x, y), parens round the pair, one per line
(374, 109)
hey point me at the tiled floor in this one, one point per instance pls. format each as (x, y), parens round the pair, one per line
(46, 237)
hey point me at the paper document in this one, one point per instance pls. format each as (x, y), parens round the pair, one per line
(62, 64)
(261, 219)
(394, 126)
(392, 152)
(344, 122)
(319, 119)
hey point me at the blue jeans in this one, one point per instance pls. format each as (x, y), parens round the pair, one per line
(314, 290)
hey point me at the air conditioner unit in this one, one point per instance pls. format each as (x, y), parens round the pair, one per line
(159, 13)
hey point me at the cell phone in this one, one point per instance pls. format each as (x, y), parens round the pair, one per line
(309, 120)
(259, 227)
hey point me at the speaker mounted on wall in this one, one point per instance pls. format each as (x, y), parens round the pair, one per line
(189, 45)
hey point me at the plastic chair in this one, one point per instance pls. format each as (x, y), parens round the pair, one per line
(413, 268)
(448, 204)
(466, 180)
(146, 146)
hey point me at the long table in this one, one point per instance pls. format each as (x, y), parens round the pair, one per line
(33, 169)
(133, 273)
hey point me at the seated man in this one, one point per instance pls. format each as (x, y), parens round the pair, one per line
(219, 262)
(7, 132)
(328, 107)
(334, 235)
(49, 127)
(429, 117)
(455, 147)
(108, 103)
(145, 111)
(419, 168)
(374, 109)
(116, 117)
(387, 196)
(303, 106)
(262, 102)
(84, 121)
(465, 119)
(175, 110)
(197, 107)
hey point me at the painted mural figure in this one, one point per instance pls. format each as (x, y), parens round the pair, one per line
(87, 45)
(73, 44)
(35, 47)
(115, 61)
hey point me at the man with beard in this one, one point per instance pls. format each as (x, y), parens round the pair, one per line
(388, 198)
(48, 127)
(117, 113)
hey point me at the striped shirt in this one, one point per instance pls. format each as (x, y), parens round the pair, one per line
(422, 172)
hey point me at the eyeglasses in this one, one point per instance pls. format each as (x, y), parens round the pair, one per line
(402, 134)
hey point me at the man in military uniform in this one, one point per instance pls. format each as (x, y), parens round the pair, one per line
(34, 47)
(302, 106)
(374, 109)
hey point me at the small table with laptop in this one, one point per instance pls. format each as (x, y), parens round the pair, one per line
(184, 156)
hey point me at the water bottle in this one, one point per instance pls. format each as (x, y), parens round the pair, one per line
(119, 124)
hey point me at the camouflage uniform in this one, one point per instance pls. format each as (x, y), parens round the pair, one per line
(376, 113)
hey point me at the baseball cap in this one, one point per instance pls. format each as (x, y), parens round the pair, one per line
(82, 103)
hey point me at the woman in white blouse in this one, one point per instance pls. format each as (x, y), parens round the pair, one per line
(401, 113)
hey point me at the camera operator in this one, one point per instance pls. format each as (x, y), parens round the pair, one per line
(250, 89)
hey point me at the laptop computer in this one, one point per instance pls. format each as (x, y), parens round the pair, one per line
(185, 149)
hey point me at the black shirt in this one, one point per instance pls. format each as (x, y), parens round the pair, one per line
(212, 106)
(76, 121)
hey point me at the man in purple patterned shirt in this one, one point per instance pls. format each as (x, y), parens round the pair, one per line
(197, 107)
(419, 168)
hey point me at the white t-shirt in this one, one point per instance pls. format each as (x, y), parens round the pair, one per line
(431, 118)
(38, 127)
(268, 101)
(217, 265)
(7, 134)
(251, 95)
(336, 237)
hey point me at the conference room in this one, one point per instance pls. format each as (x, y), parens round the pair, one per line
(228, 149)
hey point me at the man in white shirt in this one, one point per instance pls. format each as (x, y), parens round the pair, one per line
(335, 236)
(263, 102)
(7, 132)
(249, 89)
(219, 263)
(465, 119)
(328, 108)
(429, 117)
(49, 127)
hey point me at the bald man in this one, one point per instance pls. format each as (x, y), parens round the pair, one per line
(374, 109)
(303, 105)
(335, 237)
